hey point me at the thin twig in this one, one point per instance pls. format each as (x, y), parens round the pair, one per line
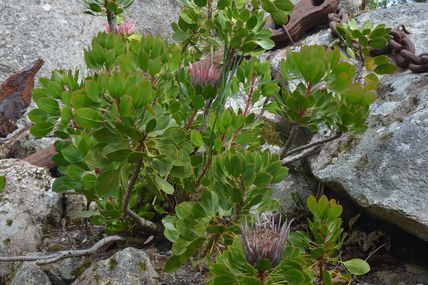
(320, 142)
(60, 255)
(146, 224)
(304, 154)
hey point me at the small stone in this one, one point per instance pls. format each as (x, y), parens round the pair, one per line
(127, 267)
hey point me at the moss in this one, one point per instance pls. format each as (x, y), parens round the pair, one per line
(346, 146)
(6, 241)
(386, 136)
(362, 164)
(9, 223)
(82, 268)
(142, 265)
(112, 263)
(55, 247)
(271, 133)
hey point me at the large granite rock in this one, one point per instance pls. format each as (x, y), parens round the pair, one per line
(127, 267)
(384, 169)
(27, 205)
(58, 30)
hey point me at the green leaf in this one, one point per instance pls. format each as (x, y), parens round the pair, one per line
(201, 3)
(164, 185)
(312, 204)
(87, 118)
(378, 43)
(248, 280)
(294, 276)
(386, 68)
(180, 36)
(279, 17)
(2, 183)
(58, 186)
(49, 106)
(196, 138)
(116, 85)
(41, 129)
(112, 6)
(266, 44)
(38, 116)
(357, 266)
(173, 264)
(95, 7)
(107, 184)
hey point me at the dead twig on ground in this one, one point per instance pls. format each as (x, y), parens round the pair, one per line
(60, 255)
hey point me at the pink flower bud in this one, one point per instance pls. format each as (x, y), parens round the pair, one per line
(205, 73)
(126, 28)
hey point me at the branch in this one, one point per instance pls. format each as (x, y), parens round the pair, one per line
(304, 147)
(46, 259)
(289, 141)
(155, 228)
(304, 154)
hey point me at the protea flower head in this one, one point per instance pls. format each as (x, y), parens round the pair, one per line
(265, 240)
(126, 28)
(205, 73)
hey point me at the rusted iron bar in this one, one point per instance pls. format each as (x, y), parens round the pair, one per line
(307, 14)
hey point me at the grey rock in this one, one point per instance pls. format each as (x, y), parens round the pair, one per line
(127, 267)
(351, 6)
(294, 190)
(26, 206)
(69, 269)
(58, 30)
(385, 169)
(30, 274)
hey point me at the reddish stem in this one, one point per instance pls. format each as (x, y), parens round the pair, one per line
(204, 171)
(250, 95)
(192, 118)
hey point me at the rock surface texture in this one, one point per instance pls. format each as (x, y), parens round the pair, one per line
(385, 169)
(30, 274)
(116, 270)
(57, 31)
(27, 205)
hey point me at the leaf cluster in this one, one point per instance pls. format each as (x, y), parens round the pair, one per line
(236, 186)
(362, 40)
(101, 7)
(320, 89)
(208, 25)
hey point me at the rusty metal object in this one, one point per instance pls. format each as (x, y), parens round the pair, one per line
(404, 52)
(307, 14)
(337, 17)
(15, 96)
(400, 46)
(42, 158)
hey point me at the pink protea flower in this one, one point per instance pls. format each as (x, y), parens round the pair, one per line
(265, 240)
(205, 73)
(126, 28)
